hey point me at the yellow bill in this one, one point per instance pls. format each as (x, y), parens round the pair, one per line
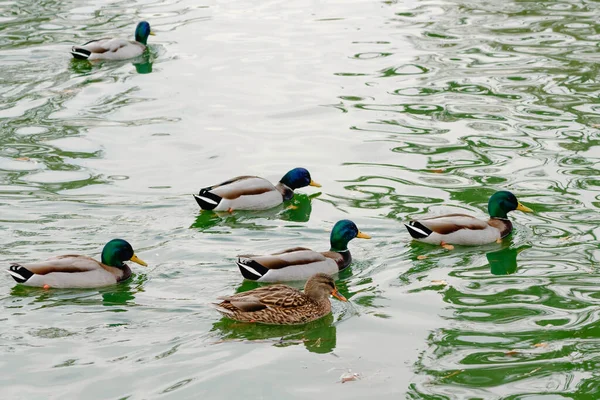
(315, 184)
(362, 235)
(136, 260)
(523, 208)
(152, 33)
(337, 295)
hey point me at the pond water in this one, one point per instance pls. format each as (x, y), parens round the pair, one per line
(398, 108)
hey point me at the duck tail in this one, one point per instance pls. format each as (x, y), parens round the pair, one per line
(19, 273)
(207, 200)
(417, 230)
(221, 309)
(80, 53)
(251, 269)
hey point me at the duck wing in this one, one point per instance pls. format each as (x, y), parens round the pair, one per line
(108, 48)
(210, 197)
(256, 267)
(265, 297)
(69, 271)
(286, 258)
(446, 224)
(240, 186)
(66, 263)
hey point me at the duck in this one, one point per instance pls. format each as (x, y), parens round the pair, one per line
(281, 304)
(76, 271)
(114, 49)
(300, 263)
(253, 192)
(465, 229)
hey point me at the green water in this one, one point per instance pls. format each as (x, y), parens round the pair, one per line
(398, 109)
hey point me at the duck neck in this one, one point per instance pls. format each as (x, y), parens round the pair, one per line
(111, 260)
(143, 39)
(339, 245)
(346, 259)
(319, 297)
(286, 192)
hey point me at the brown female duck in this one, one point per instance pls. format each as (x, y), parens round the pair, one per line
(281, 304)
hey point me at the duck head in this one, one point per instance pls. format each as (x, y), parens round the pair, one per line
(118, 250)
(503, 202)
(320, 286)
(142, 31)
(343, 232)
(297, 178)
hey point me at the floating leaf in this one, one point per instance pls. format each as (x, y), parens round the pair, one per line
(421, 257)
(448, 246)
(439, 282)
(540, 345)
(511, 353)
(22, 159)
(349, 376)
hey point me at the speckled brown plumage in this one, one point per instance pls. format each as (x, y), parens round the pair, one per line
(281, 304)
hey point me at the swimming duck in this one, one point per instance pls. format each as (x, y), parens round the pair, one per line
(465, 229)
(282, 305)
(114, 49)
(74, 271)
(300, 263)
(252, 192)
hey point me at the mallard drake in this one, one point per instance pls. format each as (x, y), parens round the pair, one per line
(74, 271)
(252, 192)
(301, 263)
(282, 305)
(465, 229)
(114, 49)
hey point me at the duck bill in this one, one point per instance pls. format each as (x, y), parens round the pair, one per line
(313, 183)
(152, 33)
(523, 208)
(362, 235)
(337, 295)
(136, 260)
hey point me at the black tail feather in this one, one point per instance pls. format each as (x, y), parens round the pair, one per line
(417, 230)
(19, 273)
(250, 269)
(207, 200)
(80, 53)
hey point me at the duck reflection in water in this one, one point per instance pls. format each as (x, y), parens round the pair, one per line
(124, 293)
(297, 210)
(317, 336)
(143, 64)
(504, 261)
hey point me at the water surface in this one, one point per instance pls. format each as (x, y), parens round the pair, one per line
(399, 109)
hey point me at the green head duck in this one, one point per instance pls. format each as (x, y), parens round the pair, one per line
(503, 202)
(118, 250)
(298, 178)
(142, 31)
(343, 232)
